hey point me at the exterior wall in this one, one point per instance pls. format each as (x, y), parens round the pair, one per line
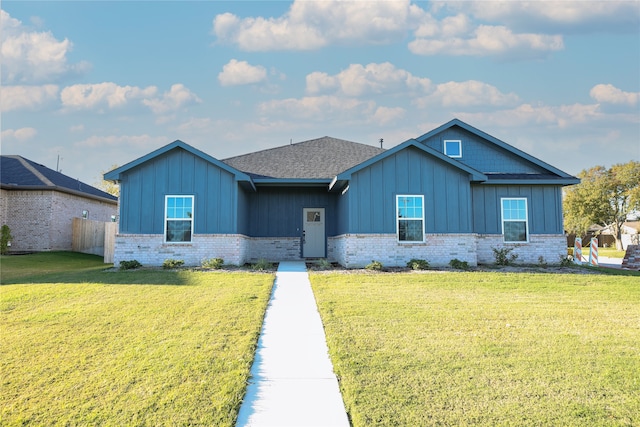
(480, 154)
(358, 250)
(41, 220)
(178, 172)
(551, 247)
(278, 211)
(274, 249)
(4, 204)
(150, 250)
(544, 204)
(372, 194)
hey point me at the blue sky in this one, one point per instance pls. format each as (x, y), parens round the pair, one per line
(102, 83)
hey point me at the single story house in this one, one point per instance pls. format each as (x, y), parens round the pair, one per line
(452, 193)
(39, 204)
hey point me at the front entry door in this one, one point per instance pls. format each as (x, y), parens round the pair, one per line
(313, 239)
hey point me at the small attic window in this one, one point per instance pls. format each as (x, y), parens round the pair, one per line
(453, 148)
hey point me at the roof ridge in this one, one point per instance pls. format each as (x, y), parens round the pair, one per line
(35, 171)
(295, 144)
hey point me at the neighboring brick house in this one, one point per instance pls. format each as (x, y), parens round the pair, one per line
(454, 192)
(38, 204)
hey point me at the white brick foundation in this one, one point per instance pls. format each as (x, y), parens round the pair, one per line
(150, 250)
(358, 250)
(551, 247)
(348, 250)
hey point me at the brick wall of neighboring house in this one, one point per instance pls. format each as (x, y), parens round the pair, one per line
(4, 195)
(40, 220)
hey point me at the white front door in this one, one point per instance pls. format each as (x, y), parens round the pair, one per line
(313, 239)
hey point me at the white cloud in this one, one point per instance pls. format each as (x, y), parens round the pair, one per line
(317, 108)
(313, 24)
(467, 94)
(138, 141)
(241, 73)
(177, 97)
(385, 115)
(358, 80)
(561, 116)
(488, 40)
(610, 94)
(564, 16)
(87, 96)
(33, 57)
(26, 97)
(22, 134)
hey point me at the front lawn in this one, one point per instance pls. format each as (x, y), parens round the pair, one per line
(146, 347)
(484, 348)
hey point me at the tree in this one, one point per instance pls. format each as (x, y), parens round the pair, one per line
(604, 197)
(108, 186)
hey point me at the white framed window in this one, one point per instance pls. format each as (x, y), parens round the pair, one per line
(178, 219)
(515, 219)
(453, 148)
(410, 218)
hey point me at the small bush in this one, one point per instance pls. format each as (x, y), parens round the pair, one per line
(324, 264)
(5, 238)
(374, 266)
(566, 261)
(130, 265)
(172, 263)
(459, 265)
(213, 263)
(262, 265)
(542, 262)
(418, 264)
(503, 256)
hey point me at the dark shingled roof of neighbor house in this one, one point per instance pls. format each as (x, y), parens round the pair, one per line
(321, 158)
(17, 173)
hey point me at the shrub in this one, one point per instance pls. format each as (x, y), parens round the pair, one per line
(566, 261)
(5, 239)
(213, 263)
(324, 264)
(418, 264)
(130, 265)
(375, 266)
(504, 256)
(262, 265)
(542, 262)
(172, 263)
(459, 265)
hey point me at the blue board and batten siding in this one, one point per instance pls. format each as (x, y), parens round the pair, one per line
(277, 211)
(544, 204)
(481, 155)
(369, 205)
(178, 172)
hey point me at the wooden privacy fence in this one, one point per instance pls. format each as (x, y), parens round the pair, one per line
(94, 237)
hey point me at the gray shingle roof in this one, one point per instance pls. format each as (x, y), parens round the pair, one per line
(16, 172)
(321, 158)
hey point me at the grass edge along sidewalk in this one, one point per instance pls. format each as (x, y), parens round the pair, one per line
(152, 347)
(484, 348)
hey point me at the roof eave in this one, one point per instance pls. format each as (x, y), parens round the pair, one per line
(12, 187)
(292, 182)
(529, 181)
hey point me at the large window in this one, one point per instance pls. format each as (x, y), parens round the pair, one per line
(515, 227)
(410, 218)
(178, 215)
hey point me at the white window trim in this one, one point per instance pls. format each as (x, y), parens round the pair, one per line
(453, 156)
(193, 207)
(409, 242)
(526, 219)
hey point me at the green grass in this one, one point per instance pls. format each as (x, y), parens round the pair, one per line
(149, 347)
(16, 268)
(484, 348)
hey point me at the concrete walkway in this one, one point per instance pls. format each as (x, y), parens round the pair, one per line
(292, 382)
